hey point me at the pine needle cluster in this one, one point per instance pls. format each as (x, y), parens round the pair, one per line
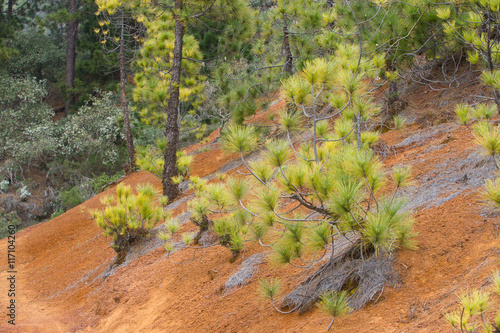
(213, 211)
(150, 158)
(475, 309)
(487, 138)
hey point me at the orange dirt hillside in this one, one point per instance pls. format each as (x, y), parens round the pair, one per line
(63, 283)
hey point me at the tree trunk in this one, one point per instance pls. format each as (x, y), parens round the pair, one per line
(170, 189)
(393, 94)
(10, 6)
(286, 46)
(126, 119)
(288, 56)
(71, 56)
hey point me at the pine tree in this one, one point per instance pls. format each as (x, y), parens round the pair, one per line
(71, 35)
(121, 29)
(177, 18)
(302, 200)
(476, 25)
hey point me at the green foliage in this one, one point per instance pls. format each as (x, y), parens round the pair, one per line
(29, 135)
(463, 113)
(291, 121)
(239, 139)
(399, 121)
(488, 138)
(402, 176)
(305, 199)
(212, 211)
(491, 192)
(128, 216)
(100, 181)
(334, 303)
(83, 191)
(71, 198)
(38, 57)
(474, 306)
(93, 131)
(150, 158)
(484, 111)
(269, 288)
(154, 64)
(472, 25)
(25, 121)
(6, 220)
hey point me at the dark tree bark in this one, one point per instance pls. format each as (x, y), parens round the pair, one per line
(286, 46)
(126, 119)
(393, 94)
(288, 67)
(71, 56)
(10, 6)
(170, 189)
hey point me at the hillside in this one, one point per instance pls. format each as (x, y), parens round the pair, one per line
(64, 284)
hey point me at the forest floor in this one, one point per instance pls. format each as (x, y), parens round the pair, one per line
(64, 285)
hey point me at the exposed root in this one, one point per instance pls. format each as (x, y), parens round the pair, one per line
(365, 278)
(245, 273)
(370, 278)
(383, 150)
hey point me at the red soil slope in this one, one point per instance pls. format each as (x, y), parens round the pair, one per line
(60, 263)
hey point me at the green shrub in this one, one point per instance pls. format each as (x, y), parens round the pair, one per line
(83, 191)
(150, 158)
(98, 182)
(57, 213)
(38, 56)
(474, 309)
(71, 198)
(7, 219)
(26, 128)
(127, 217)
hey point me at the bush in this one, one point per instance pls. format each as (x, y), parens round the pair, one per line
(85, 190)
(28, 135)
(71, 198)
(26, 128)
(100, 181)
(475, 306)
(93, 132)
(38, 56)
(7, 219)
(127, 217)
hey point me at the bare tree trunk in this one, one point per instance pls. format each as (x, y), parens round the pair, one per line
(10, 6)
(126, 119)
(170, 189)
(71, 56)
(286, 45)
